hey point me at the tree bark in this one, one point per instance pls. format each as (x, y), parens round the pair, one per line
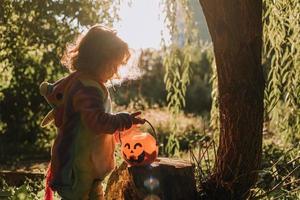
(236, 30)
(165, 179)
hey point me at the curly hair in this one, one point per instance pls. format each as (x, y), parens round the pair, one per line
(98, 49)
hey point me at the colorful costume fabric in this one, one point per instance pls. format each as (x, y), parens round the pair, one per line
(83, 151)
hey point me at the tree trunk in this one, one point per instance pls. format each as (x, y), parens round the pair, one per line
(165, 179)
(236, 31)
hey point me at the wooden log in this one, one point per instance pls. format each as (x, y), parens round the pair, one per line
(17, 178)
(165, 179)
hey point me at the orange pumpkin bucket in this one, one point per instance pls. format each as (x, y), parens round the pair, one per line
(138, 148)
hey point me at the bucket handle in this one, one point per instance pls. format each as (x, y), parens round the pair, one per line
(153, 133)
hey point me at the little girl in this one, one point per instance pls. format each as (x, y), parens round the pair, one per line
(83, 151)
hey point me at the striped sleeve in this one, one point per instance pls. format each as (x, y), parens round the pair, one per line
(89, 102)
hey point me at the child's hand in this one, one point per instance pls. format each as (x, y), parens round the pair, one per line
(137, 120)
(127, 120)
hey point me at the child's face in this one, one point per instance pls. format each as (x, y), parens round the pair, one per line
(110, 71)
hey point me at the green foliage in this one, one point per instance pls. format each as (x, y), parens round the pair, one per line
(281, 60)
(30, 190)
(280, 174)
(199, 92)
(172, 147)
(177, 143)
(177, 56)
(33, 37)
(278, 177)
(149, 90)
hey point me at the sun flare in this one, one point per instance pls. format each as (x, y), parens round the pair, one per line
(142, 24)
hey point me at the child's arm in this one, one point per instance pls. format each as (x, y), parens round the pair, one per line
(90, 104)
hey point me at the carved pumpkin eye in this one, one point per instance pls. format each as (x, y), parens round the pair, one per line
(127, 145)
(59, 96)
(137, 145)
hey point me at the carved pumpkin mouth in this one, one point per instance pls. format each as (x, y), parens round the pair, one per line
(140, 158)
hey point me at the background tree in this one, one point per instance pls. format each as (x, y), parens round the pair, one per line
(236, 31)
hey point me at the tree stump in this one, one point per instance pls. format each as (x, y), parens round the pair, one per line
(165, 179)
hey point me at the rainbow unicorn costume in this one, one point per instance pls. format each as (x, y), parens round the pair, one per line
(83, 151)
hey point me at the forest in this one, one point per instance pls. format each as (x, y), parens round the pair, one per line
(222, 91)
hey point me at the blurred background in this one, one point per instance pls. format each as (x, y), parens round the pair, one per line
(176, 88)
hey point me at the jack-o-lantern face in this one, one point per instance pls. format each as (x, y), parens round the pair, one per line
(139, 148)
(134, 153)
